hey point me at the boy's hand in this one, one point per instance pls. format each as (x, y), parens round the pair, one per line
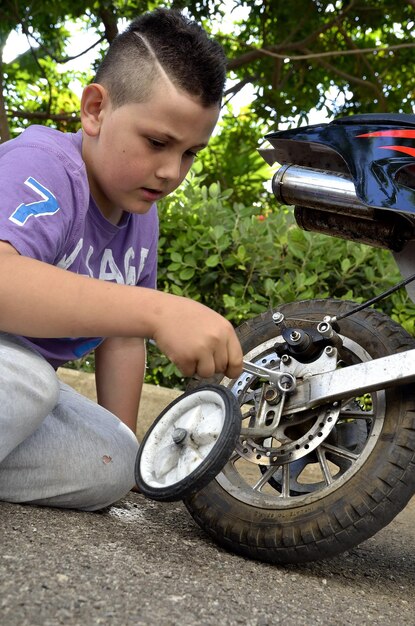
(65, 304)
(198, 340)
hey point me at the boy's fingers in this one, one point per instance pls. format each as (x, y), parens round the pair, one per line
(226, 360)
(233, 371)
(198, 340)
(235, 358)
(205, 367)
(229, 360)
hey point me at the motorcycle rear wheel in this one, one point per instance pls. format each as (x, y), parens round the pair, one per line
(359, 477)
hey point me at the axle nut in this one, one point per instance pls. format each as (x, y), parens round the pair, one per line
(179, 435)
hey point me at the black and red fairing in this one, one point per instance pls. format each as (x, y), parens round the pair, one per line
(378, 151)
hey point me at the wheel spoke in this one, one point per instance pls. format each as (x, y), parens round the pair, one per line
(285, 492)
(351, 409)
(167, 460)
(188, 460)
(340, 452)
(324, 466)
(190, 419)
(205, 433)
(235, 456)
(264, 478)
(356, 414)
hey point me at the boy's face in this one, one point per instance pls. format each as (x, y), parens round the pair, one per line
(140, 152)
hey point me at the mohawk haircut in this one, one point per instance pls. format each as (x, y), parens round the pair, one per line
(163, 43)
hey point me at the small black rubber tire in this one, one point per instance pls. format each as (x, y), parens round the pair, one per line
(211, 465)
(360, 507)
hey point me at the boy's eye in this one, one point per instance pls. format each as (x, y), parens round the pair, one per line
(155, 143)
(191, 153)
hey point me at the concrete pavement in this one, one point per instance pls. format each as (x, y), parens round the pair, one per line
(146, 563)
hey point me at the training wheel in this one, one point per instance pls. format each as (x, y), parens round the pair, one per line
(188, 444)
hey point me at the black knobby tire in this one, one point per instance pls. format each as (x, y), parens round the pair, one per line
(209, 467)
(320, 525)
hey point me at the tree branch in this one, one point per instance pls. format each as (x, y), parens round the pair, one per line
(232, 91)
(63, 60)
(34, 55)
(364, 59)
(349, 77)
(236, 88)
(109, 19)
(4, 126)
(256, 53)
(44, 115)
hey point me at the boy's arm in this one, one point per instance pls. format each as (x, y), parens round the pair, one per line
(40, 300)
(119, 375)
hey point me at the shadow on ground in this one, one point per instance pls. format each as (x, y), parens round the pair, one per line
(147, 563)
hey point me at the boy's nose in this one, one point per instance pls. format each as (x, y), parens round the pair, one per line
(170, 169)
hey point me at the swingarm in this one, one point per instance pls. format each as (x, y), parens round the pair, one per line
(318, 389)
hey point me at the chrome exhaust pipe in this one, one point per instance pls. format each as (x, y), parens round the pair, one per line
(329, 191)
(326, 202)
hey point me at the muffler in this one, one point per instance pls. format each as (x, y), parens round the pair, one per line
(326, 202)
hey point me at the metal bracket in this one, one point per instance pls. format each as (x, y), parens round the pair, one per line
(388, 371)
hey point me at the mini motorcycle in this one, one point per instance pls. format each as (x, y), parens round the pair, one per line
(312, 449)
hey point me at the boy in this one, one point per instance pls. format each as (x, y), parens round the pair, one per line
(78, 243)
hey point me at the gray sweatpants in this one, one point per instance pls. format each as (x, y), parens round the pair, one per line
(57, 448)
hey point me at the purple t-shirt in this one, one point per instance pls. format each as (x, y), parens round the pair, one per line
(47, 213)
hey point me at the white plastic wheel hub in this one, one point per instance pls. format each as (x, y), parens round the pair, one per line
(182, 439)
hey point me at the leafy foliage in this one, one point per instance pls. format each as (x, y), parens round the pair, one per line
(336, 56)
(241, 261)
(231, 158)
(324, 54)
(223, 240)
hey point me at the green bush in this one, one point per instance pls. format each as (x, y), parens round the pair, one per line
(240, 262)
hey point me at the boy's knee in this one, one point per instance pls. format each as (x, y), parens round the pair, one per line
(82, 456)
(30, 383)
(113, 475)
(42, 386)
(29, 391)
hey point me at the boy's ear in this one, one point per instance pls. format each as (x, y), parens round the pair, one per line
(94, 100)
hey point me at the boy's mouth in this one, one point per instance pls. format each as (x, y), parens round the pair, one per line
(151, 194)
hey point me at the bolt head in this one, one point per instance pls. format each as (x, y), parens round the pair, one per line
(179, 435)
(277, 318)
